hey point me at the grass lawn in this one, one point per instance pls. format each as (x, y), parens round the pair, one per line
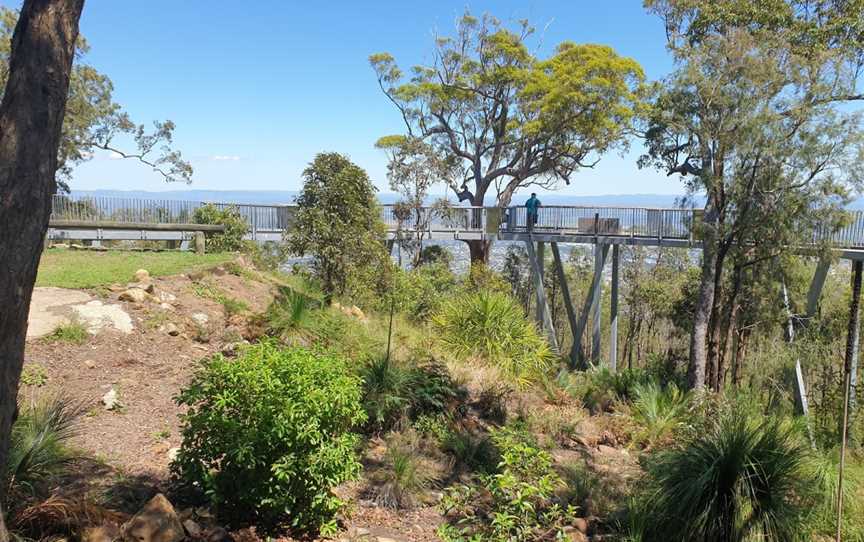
(84, 269)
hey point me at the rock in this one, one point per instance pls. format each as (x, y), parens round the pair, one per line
(148, 287)
(386, 539)
(581, 525)
(357, 313)
(142, 275)
(103, 533)
(155, 522)
(603, 449)
(357, 532)
(97, 316)
(172, 329)
(200, 318)
(116, 288)
(110, 400)
(134, 295)
(192, 528)
(218, 534)
(89, 363)
(219, 271)
(229, 349)
(166, 307)
(172, 454)
(167, 297)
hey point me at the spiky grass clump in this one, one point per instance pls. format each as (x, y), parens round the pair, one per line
(39, 445)
(491, 325)
(821, 520)
(289, 312)
(405, 475)
(743, 479)
(658, 411)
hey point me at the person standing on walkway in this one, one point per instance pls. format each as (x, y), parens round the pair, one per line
(531, 207)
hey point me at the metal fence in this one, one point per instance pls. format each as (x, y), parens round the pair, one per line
(620, 221)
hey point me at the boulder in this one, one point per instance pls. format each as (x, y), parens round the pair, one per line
(142, 275)
(134, 295)
(155, 522)
(102, 533)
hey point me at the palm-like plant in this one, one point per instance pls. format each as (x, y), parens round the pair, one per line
(491, 325)
(741, 480)
(657, 410)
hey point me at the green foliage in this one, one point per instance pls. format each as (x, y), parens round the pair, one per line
(268, 435)
(39, 447)
(740, 478)
(394, 391)
(289, 312)
(73, 332)
(421, 291)
(229, 240)
(491, 326)
(338, 223)
(34, 375)
(435, 254)
(530, 117)
(515, 503)
(658, 411)
(599, 388)
(823, 467)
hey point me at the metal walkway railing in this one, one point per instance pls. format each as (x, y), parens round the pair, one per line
(634, 222)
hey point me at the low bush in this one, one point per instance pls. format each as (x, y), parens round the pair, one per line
(515, 503)
(39, 447)
(289, 312)
(404, 474)
(269, 434)
(599, 388)
(492, 326)
(394, 391)
(420, 292)
(743, 478)
(822, 519)
(229, 240)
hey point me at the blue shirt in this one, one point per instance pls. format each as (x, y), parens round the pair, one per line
(532, 204)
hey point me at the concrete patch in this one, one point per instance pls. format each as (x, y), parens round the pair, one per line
(97, 316)
(51, 307)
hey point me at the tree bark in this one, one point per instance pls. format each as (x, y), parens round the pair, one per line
(704, 302)
(31, 116)
(478, 250)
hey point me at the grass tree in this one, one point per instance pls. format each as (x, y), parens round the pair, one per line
(751, 119)
(508, 118)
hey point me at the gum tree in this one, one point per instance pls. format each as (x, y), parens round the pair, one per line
(31, 118)
(510, 119)
(750, 119)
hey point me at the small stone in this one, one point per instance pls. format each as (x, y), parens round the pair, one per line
(134, 295)
(142, 275)
(200, 318)
(358, 532)
(172, 329)
(116, 288)
(386, 539)
(167, 297)
(166, 307)
(192, 528)
(219, 271)
(173, 453)
(218, 534)
(109, 400)
(155, 522)
(89, 363)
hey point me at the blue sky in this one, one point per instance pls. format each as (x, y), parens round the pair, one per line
(257, 88)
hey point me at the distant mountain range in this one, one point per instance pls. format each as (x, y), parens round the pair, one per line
(287, 197)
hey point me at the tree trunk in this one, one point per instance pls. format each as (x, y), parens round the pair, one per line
(31, 116)
(479, 250)
(704, 302)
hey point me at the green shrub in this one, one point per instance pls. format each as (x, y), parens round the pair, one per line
(492, 326)
(39, 446)
(34, 375)
(229, 240)
(515, 503)
(599, 388)
(393, 391)
(289, 312)
(743, 478)
(268, 435)
(420, 292)
(822, 519)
